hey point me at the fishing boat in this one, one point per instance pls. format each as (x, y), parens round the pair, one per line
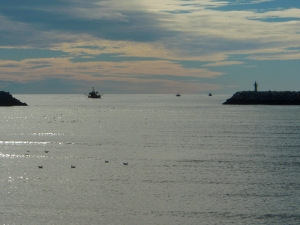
(210, 94)
(178, 95)
(94, 94)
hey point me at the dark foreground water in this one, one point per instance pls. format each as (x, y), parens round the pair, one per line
(191, 160)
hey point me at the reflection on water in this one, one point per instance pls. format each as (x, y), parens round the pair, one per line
(191, 160)
(23, 142)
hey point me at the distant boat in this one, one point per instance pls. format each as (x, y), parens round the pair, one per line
(94, 94)
(178, 95)
(210, 94)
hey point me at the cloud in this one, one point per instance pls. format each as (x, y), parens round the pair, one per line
(99, 19)
(128, 77)
(226, 63)
(201, 32)
(42, 68)
(123, 41)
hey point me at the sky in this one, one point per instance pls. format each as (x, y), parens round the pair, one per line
(149, 47)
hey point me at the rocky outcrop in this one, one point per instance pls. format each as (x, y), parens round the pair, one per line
(264, 98)
(7, 99)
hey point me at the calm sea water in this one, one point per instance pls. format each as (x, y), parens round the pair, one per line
(191, 160)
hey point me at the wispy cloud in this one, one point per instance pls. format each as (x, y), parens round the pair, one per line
(226, 63)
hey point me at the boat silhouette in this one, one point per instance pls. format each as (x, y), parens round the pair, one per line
(94, 94)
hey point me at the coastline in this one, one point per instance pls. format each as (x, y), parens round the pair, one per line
(264, 98)
(6, 99)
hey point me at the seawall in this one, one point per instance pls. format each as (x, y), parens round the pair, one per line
(7, 99)
(264, 98)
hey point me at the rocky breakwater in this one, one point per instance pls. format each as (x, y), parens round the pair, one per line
(7, 99)
(264, 98)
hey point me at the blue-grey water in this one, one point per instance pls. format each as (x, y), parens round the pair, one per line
(191, 160)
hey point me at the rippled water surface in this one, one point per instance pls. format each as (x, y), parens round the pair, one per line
(191, 160)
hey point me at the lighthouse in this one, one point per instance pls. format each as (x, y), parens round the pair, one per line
(255, 86)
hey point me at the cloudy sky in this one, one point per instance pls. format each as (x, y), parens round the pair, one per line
(142, 46)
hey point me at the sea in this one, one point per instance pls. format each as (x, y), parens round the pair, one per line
(148, 160)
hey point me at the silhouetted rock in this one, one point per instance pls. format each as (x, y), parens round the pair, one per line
(7, 99)
(264, 98)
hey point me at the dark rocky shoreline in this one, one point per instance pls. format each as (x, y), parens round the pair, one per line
(264, 98)
(7, 99)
